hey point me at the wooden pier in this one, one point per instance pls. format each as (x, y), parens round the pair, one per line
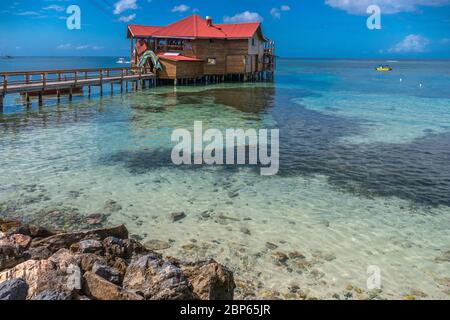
(67, 82)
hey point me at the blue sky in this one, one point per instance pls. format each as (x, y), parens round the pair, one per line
(301, 28)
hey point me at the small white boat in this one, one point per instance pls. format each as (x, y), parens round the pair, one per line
(122, 61)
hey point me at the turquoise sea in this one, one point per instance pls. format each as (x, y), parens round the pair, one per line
(364, 175)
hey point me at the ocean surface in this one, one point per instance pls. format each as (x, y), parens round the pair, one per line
(364, 180)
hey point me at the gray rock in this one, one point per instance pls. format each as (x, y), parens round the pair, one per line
(65, 240)
(14, 289)
(98, 288)
(11, 256)
(52, 295)
(176, 216)
(39, 253)
(88, 246)
(209, 280)
(114, 246)
(106, 272)
(157, 279)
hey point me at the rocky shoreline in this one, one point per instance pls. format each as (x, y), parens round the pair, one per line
(100, 264)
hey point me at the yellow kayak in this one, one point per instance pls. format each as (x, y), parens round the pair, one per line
(384, 68)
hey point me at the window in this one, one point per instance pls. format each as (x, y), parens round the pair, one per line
(253, 41)
(211, 61)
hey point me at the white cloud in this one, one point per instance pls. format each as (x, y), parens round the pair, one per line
(180, 8)
(28, 13)
(69, 46)
(65, 46)
(54, 7)
(275, 12)
(245, 16)
(387, 6)
(127, 18)
(413, 43)
(124, 5)
(88, 47)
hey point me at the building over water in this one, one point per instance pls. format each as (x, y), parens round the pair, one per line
(195, 49)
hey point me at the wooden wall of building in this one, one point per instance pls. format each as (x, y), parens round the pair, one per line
(169, 69)
(231, 57)
(180, 69)
(189, 69)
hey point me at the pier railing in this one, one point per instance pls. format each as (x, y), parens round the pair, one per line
(26, 78)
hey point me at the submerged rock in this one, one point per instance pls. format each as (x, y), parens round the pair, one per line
(418, 293)
(295, 255)
(156, 245)
(95, 219)
(14, 289)
(177, 216)
(280, 257)
(112, 206)
(6, 225)
(443, 257)
(327, 256)
(245, 231)
(271, 246)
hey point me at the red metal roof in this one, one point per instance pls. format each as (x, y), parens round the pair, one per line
(177, 57)
(195, 26)
(142, 31)
(239, 30)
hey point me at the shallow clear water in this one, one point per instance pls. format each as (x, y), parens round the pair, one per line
(364, 173)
